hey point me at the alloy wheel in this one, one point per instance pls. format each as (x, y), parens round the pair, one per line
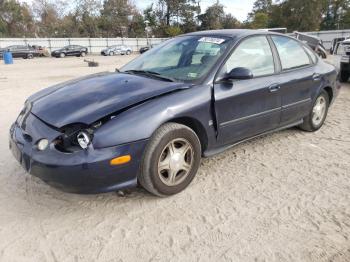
(319, 111)
(175, 162)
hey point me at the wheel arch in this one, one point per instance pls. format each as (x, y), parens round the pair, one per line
(329, 91)
(196, 126)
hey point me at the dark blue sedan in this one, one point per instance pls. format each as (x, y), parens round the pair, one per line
(151, 122)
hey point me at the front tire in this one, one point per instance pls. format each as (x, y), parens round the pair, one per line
(62, 55)
(170, 161)
(318, 114)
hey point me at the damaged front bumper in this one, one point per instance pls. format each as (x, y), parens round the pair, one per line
(85, 171)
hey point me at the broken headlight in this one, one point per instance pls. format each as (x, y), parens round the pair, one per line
(76, 137)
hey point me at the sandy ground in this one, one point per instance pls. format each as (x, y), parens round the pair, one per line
(282, 197)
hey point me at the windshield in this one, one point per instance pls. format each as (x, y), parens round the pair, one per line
(186, 58)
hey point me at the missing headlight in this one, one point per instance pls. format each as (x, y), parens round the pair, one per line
(76, 137)
(83, 139)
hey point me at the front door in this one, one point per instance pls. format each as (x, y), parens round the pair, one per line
(245, 108)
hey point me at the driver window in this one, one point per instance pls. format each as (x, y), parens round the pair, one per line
(167, 57)
(253, 53)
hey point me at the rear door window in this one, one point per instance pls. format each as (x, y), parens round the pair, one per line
(291, 53)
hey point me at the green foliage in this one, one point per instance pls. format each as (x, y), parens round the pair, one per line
(216, 18)
(260, 20)
(335, 14)
(121, 18)
(15, 19)
(172, 31)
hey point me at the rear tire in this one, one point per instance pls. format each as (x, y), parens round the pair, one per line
(82, 54)
(170, 161)
(318, 114)
(128, 52)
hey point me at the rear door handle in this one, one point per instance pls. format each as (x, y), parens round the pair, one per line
(316, 77)
(274, 88)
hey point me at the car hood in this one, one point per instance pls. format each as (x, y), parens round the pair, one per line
(88, 99)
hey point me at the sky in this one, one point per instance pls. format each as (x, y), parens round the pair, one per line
(238, 8)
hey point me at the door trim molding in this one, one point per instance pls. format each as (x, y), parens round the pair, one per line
(214, 151)
(233, 121)
(296, 103)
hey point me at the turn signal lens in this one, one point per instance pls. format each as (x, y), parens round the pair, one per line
(120, 160)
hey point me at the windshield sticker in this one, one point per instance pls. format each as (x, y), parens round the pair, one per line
(212, 40)
(192, 75)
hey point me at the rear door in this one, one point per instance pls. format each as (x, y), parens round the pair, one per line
(245, 108)
(297, 78)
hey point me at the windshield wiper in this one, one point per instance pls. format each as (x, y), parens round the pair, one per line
(151, 74)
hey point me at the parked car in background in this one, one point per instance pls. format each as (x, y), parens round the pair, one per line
(23, 51)
(43, 51)
(70, 50)
(334, 43)
(314, 42)
(145, 48)
(117, 50)
(342, 59)
(151, 122)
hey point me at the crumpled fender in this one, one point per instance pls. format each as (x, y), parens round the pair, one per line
(139, 122)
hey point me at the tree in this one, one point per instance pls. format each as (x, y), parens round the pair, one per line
(176, 13)
(230, 22)
(116, 16)
(48, 14)
(262, 6)
(173, 31)
(87, 17)
(16, 19)
(302, 15)
(213, 17)
(260, 15)
(334, 14)
(260, 20)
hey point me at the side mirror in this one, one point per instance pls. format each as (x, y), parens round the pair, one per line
(239, 73)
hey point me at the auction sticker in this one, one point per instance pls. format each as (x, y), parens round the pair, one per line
(212, 40)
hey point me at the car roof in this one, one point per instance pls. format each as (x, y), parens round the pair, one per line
(235, 33)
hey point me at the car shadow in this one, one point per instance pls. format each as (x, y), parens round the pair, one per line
(43, 201)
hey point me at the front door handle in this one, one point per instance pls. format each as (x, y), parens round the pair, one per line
(316, 77)
(274, 88)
